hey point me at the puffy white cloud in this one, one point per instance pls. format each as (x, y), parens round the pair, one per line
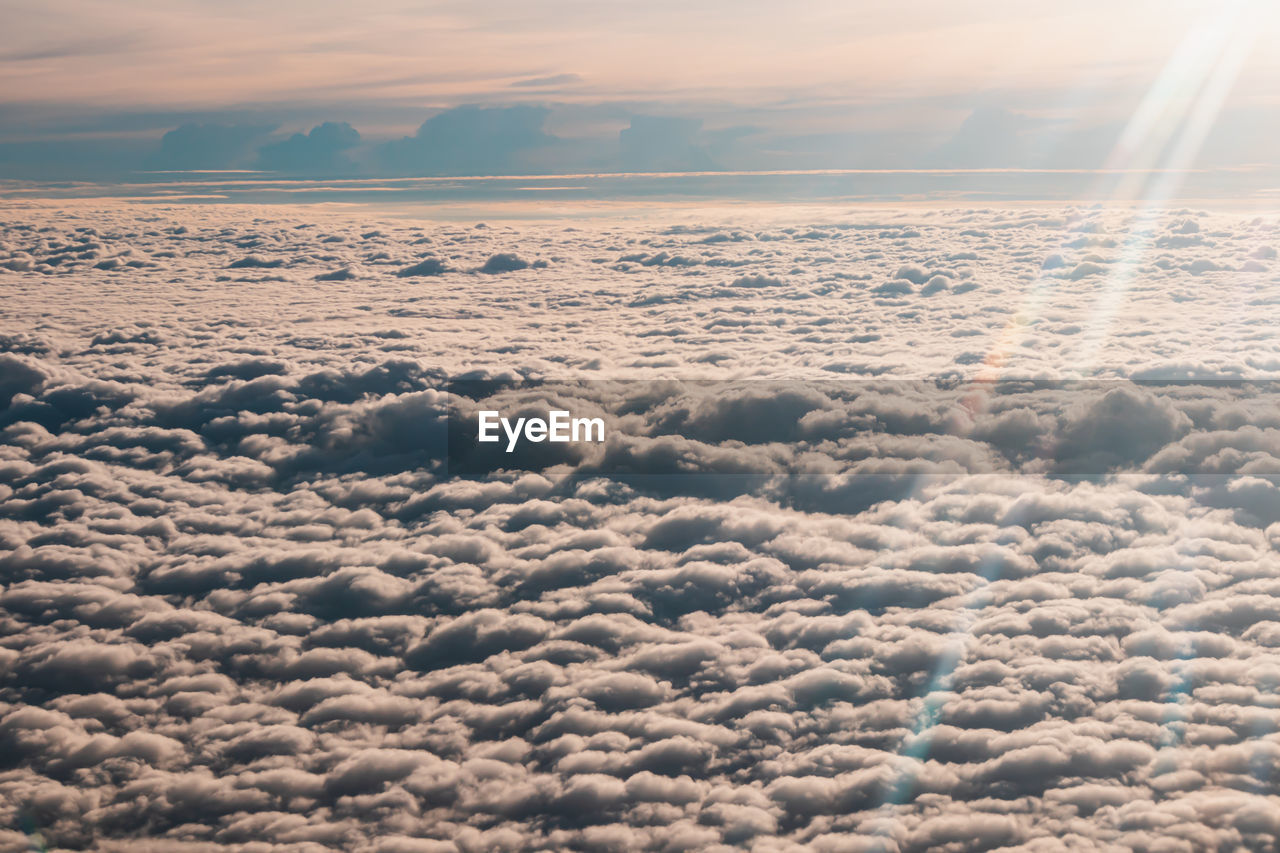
(246, 605)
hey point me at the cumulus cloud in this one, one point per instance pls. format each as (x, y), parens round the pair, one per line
(320, 151)
(663, 143)
(469, 140)
(210, 146)
(252, 600)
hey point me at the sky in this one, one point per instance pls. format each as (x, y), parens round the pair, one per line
(96, 92)
(828, 584)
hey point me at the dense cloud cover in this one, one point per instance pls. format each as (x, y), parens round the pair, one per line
(245, 607)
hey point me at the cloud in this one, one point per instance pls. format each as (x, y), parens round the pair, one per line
(504, 262)
(322, 151)
(547, 81)
(469, 140)
(798, 601)
(210, 146)
(427, 266)
(662, 144)
(1000, 137)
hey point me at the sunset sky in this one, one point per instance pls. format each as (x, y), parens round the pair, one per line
(89, 90)
(935, 500)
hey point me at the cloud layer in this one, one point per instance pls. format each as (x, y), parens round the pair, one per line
(244, 607)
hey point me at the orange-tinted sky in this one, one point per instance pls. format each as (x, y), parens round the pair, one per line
(207, 54)
(808, 83)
